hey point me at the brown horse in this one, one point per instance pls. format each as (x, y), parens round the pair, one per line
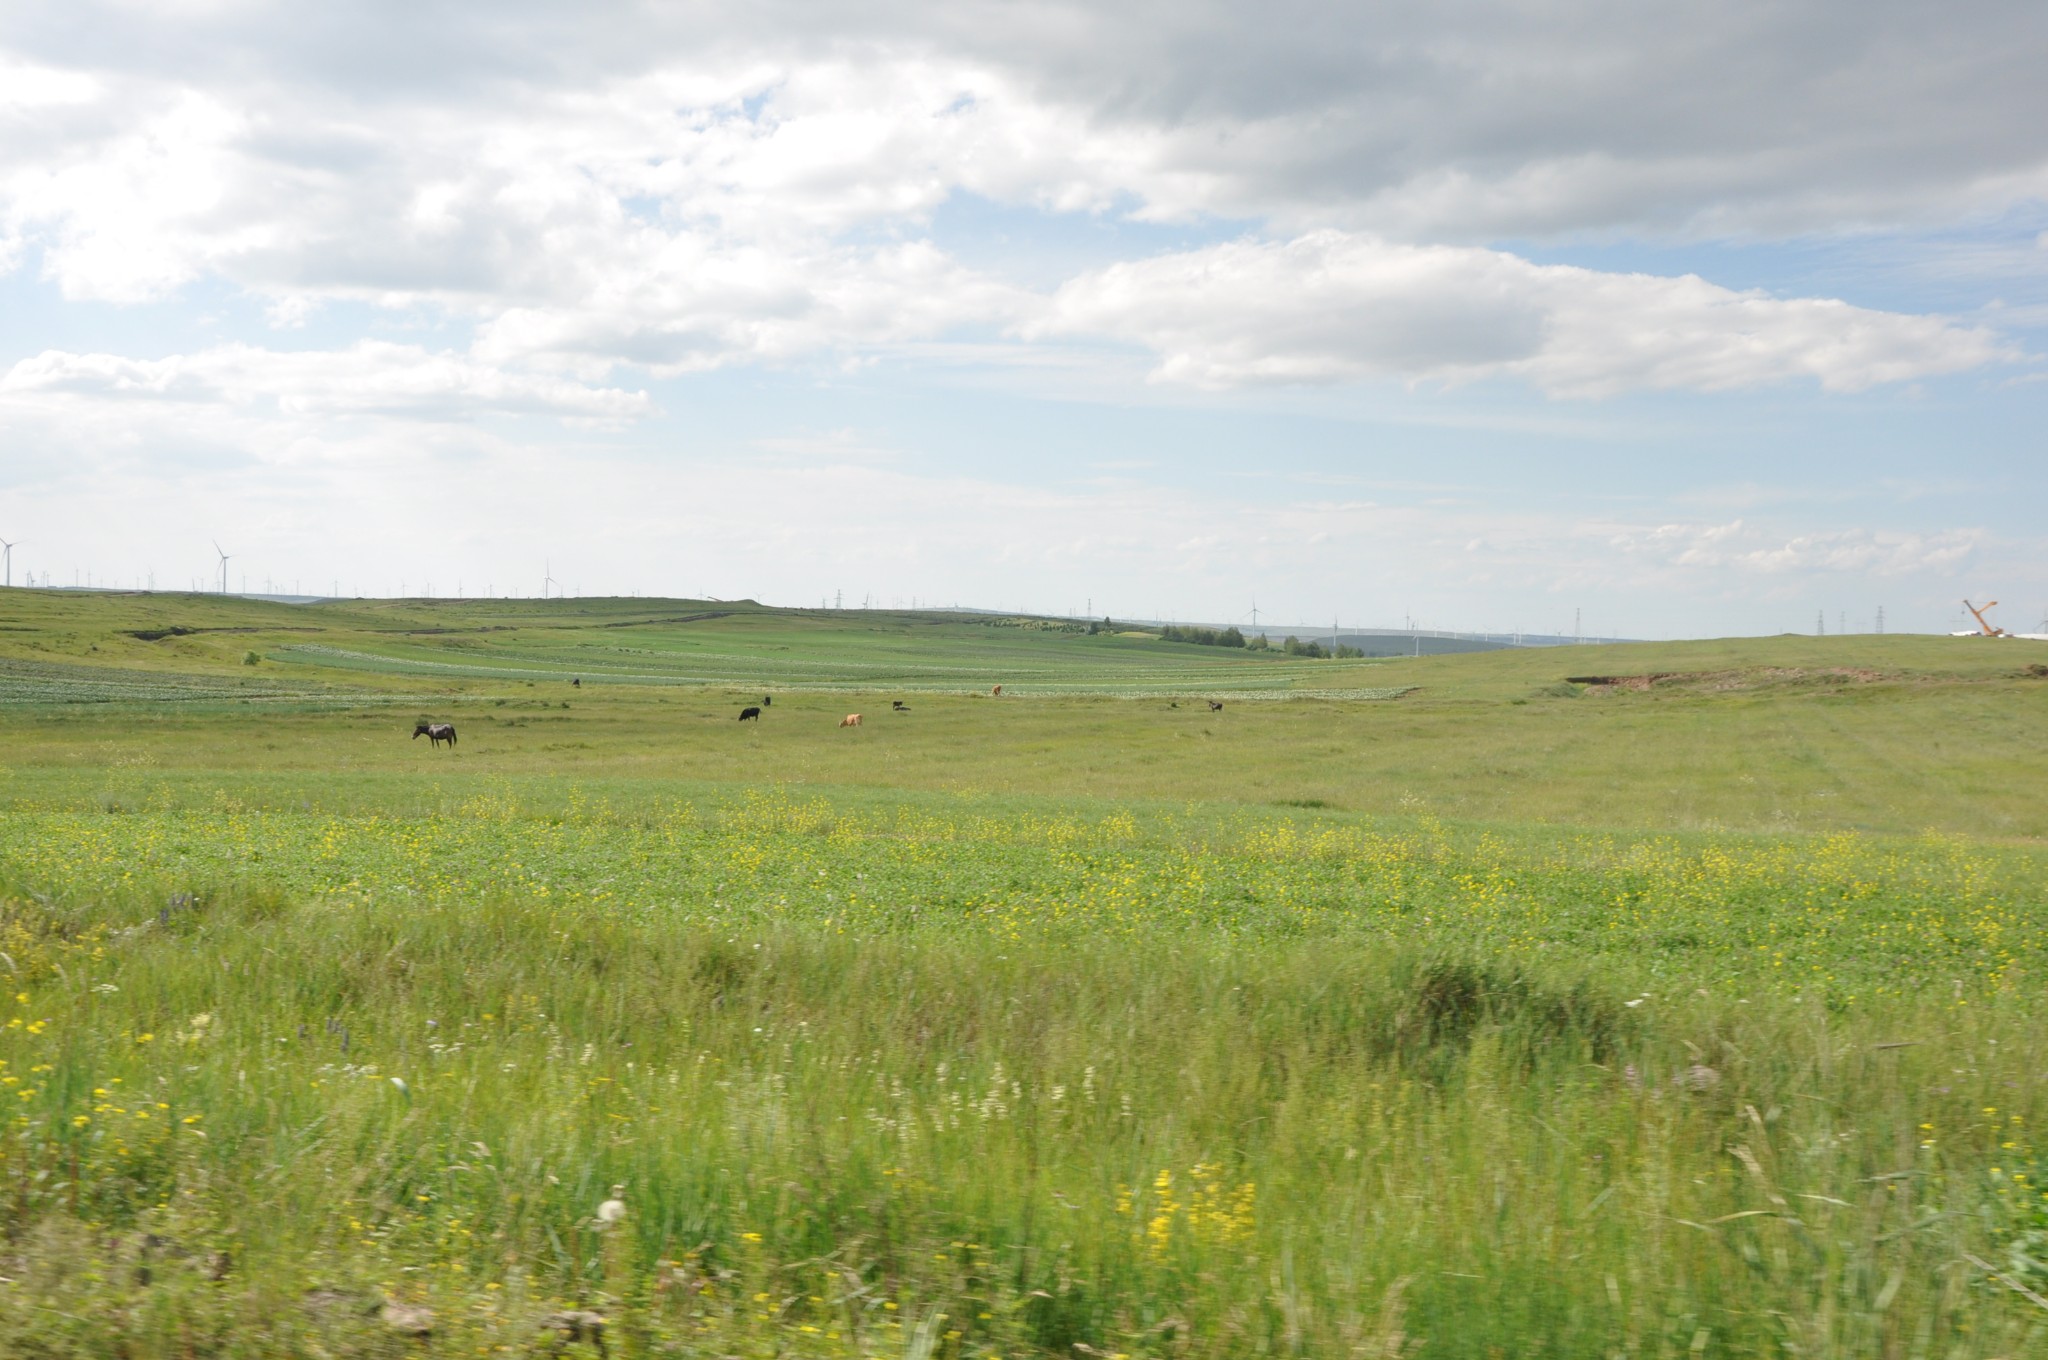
(435, 733)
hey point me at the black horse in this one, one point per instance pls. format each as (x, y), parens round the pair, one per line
(435, 733)
(750, 711)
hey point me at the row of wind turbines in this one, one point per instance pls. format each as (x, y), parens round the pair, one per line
(550, 587)
(7, 564)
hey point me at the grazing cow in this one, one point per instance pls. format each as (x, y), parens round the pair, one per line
(898, 706)
(997, 692)
(850, 720)
(435, 733)
(750, 711)
(767, 700)
(577, 682)
(1215, 705)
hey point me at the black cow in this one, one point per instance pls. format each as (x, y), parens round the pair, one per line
(750, 711)
(898, 706)
(1215, 705)
(435, 733)
(577, 682)
(767, 701)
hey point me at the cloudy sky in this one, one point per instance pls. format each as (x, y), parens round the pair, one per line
(1695, 318)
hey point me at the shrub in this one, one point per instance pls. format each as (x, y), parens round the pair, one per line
(1202, 637)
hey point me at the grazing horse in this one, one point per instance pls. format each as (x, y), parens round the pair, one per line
(435, 733)
(850, 720)
(1215, 705)
(996, 693)
(750, 711)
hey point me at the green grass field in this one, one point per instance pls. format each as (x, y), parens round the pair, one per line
(1422, 1007)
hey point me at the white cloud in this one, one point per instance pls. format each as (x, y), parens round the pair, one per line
(1332, 306)
(1756, 550)
(368, 378)
(378, 500)
(762, 198)
(687, 305)
(28, 85)
(577, 203)
(1478, 119)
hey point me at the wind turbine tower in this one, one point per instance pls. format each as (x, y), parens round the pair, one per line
(7, 556)
(223, 567)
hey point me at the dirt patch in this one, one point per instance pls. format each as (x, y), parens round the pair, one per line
(178, 630)
(1721, 682)
(1607, 682)
(679, 618)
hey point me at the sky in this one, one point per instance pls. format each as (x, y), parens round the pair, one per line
(1674, 319)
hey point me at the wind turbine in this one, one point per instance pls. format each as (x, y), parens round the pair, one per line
(223, 567)
(547, 578)
(7, 556)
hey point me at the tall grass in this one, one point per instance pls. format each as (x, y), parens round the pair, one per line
(1843, 916)
(240, 1121)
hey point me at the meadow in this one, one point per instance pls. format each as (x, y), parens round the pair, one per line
(1426, 1007)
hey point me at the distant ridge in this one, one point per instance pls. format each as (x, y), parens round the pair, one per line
(1404, 641)
(1373, 642)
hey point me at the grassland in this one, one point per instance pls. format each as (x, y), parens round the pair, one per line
(1502, 1017)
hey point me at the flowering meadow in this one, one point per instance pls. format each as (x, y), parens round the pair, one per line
(937, 1076)
(1836, 917)
(1429, 1007)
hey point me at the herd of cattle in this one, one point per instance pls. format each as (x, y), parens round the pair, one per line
(436, 733)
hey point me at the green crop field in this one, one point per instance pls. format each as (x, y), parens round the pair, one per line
(1430, 1007)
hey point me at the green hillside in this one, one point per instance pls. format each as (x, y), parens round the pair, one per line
(1892, 735)
(1439, 1007)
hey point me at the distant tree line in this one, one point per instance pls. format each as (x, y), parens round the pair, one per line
(1202, 637)
(1294, 646)
(1231, 637)
(1036, 625)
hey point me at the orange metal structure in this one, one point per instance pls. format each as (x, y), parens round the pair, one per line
(1983, 622)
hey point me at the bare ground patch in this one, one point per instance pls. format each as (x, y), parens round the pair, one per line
(1746, 678)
